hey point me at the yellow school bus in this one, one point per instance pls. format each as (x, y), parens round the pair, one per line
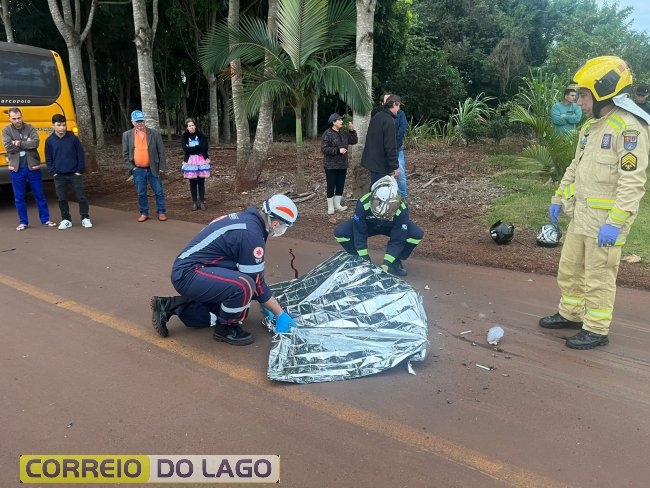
(33, 79)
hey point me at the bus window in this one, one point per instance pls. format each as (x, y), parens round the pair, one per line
(33, 79)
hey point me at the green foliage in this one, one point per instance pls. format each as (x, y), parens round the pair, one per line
(553, 150)
(469, 119)
(427, 83)
(423, 133)
(498, 127)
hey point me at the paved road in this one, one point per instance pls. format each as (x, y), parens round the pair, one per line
(83, 372)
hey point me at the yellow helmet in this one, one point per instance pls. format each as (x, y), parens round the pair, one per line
(604, 76)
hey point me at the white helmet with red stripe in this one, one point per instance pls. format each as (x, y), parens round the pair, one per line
(280, 207)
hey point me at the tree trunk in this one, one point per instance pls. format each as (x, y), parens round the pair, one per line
(243, 179)
(365, 52)
(301, 186)
(68, 25)
(264, 130)
(6, 20)
(94, 92)
(227, 110)
(312, 125)
(214, 109)
(144, 38)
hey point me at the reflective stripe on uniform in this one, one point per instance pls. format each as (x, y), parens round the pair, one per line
(574, 301)
(616, 122)
(600, 314)
(362, 252)
(415, 242)
(342, 239)
(234, 310)
(567, 192)
(251, 268)
(210, 238)
(601, 203)
(619, 215)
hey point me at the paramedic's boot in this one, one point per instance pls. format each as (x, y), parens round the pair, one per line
(162, 308)
(587, 340)
(232, 334)
(558, 322)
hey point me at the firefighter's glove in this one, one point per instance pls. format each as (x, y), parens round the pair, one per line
(607, 235)
(554, 211)
(284, 322)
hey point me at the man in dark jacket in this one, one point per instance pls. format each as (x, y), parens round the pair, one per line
(380, 152)
(66, 163)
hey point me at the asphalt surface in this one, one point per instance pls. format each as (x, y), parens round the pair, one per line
(83, 372)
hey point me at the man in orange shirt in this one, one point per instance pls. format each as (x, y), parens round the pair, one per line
(144, 156)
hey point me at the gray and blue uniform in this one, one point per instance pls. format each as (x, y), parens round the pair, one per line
(222, 269)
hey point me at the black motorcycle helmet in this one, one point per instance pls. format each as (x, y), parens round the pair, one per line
(502, 233)
(549, 235)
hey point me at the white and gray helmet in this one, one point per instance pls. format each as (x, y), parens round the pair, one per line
(549, 235)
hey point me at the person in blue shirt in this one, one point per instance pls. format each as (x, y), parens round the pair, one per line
(66, 162)
(381, 212)
(566, 115)
(221, 270)
(401, 126)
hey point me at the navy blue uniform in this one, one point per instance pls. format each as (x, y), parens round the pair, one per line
(404, 234)
(222, 269)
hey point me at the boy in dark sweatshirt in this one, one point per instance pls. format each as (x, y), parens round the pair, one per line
(66, 162)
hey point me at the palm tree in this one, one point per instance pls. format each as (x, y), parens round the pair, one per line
(294, 65)
(553, 150)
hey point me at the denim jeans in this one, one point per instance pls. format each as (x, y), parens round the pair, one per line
(19, 181)
(140, 177)
(401, 179)
(62, 184)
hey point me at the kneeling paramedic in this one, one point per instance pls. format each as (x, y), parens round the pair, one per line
(381, 212)
(221, 270)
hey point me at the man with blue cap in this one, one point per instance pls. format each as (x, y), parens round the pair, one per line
(144, 156)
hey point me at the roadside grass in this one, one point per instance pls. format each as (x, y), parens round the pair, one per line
(527, 197)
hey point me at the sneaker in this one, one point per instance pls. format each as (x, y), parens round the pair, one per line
(86, 223)
(587, 340)
(232, 334)
(65, 224)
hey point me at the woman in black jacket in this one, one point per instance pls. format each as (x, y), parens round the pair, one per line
(334, 145)
(196, 165)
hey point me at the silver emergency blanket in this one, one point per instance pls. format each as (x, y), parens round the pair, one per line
(353, 320)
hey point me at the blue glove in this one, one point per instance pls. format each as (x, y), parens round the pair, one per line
(269, 315)
(607, 235)
(284, 322)
(554, 211)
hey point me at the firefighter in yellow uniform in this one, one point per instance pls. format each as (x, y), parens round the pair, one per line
(600, 192)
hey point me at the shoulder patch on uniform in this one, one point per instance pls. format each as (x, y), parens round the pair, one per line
(404, 227)
(258, 252)
(629, 139)
(607, 141)
(628, 162)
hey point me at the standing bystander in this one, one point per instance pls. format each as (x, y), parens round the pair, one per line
(144, 155)
(20, 141)
(566, 114)
(66, 162)
(380, 152)
(334, 145)
(401, 126)
(196, 164)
